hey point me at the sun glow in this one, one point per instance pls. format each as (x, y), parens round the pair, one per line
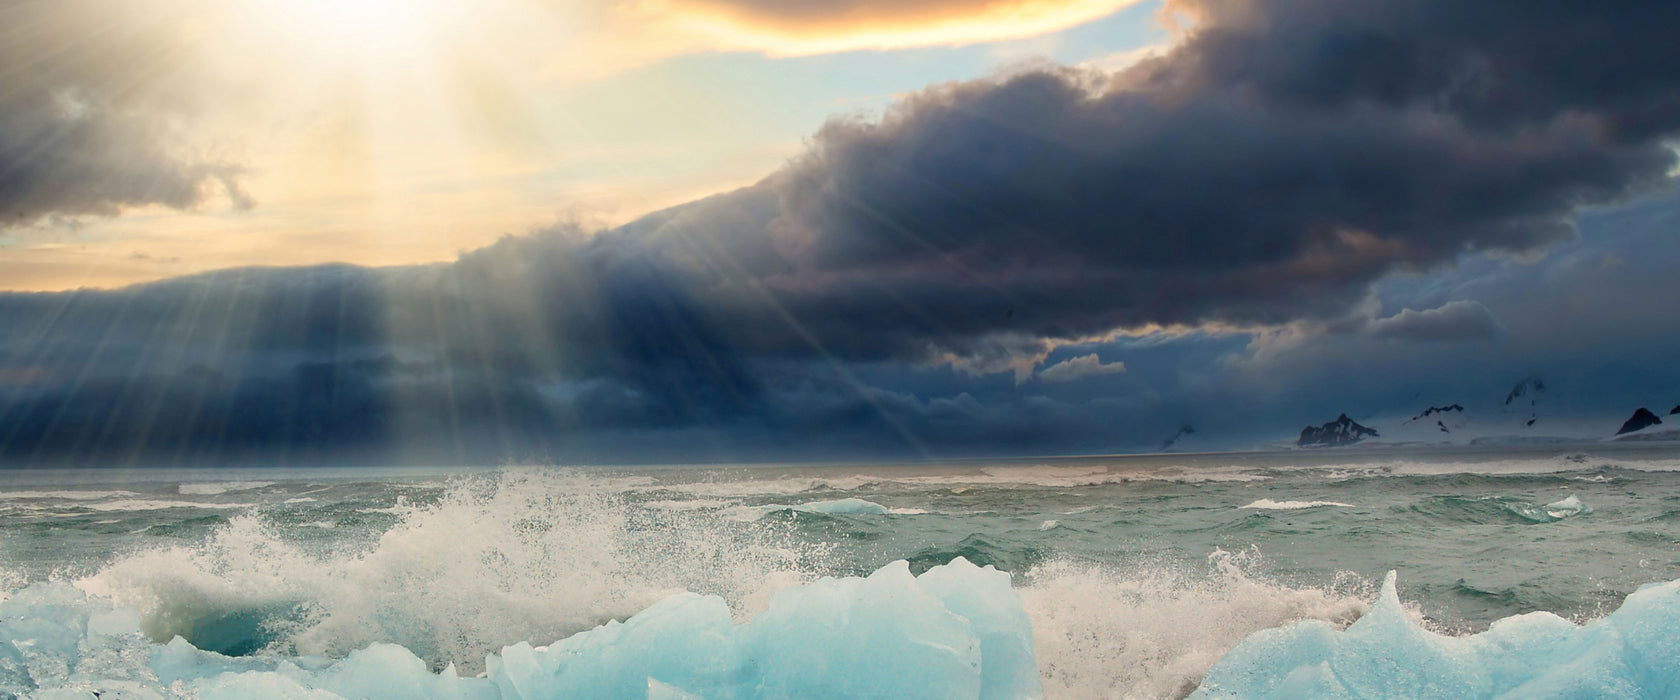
(365, 27)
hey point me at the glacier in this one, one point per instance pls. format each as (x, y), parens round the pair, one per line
(1631, 653)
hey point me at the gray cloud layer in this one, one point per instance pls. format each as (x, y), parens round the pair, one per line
(1271, 169)
(1456, 320)
(91, 119)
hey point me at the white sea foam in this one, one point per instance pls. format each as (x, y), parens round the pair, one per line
(695, 504)
(1042, 475)
(536, 556)
(133, 504)
(1269, 504)
(843, 506)
(65, 495)
(1151, 631)
(521, 555)
(1053, 476)
(1568, 507)
(1562, 464)
(727, 485)
(220, 487)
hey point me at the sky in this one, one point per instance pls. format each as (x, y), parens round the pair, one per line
(627, 231)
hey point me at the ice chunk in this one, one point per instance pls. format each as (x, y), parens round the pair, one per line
(686, 640)
(1631, 653)
(986, 598)
(849, 506)
(1567, 507)
(956, 632)
(878, 637)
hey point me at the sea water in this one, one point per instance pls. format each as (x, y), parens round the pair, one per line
(1241, 575)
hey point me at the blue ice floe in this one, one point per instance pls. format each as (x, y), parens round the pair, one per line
(1632, 653)
(956, 631)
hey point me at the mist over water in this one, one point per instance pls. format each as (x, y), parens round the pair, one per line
(1137, 575)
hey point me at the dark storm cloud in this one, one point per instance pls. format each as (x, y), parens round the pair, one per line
(90, 115)
(1060, 203)
(1268, 171)
(1270, 168)
(1590, 319)
(1501, 64)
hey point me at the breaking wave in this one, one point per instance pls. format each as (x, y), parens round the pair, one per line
(537, 583)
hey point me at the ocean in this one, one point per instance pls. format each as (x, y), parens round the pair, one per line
(1137, 573)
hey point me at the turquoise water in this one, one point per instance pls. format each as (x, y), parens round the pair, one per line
(1137, 573)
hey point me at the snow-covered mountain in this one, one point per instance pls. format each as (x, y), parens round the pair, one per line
(1528, 413)
(1337, 433)
(1640, 420)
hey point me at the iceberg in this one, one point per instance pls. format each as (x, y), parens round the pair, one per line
(956, 631)
(1632, 653)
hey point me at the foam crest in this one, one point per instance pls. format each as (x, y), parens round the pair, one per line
(736, 485)
(1561, 464)
(218, 488)
(513, 556)
(726, 485)
(1269, 504)
(1052, 476)
(1551, 512)
(1151, 631)
(65, 495)
(843, 506)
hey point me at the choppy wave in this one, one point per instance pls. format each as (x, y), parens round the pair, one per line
(525, 555)
(1269, 504)
(533, 556)
(1150, 631)
(842, 506)
(220, 487)
(750, 484)
(65, 495)
(1560, 465)
(1496, 509)
(957, 631)
(1557, 510)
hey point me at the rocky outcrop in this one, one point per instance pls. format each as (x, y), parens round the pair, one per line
(1337, 433)
(1642, 419)
(1674, 412)
(1432, 410)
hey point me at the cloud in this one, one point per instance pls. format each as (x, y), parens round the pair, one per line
(1453, 321)
(1082, 367)
(1264, 174)
(92, 116)
(823, 26)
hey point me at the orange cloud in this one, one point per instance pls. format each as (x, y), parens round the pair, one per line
(822, 26)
